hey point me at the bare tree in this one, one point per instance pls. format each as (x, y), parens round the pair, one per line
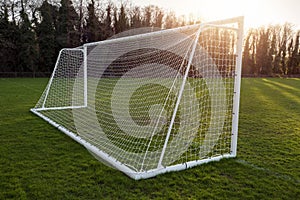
(170, 20)
(135, 17)
(263, 57)
(286, 35)
(147, 16)
(158, 15)
(247, 64)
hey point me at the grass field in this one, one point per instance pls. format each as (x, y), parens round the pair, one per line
(39, 162)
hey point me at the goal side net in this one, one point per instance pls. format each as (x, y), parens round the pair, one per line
(151, 103)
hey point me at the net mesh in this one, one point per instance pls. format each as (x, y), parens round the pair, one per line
(66, 85)
(133, 86)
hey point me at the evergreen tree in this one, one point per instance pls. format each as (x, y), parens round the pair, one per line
(108, 22)
(46, 38)
(272, 52)
(254, 70)
(181, 20)
(27, 44)
(295, 56)
(5, 42)
(262, 52)
(246, 56)
(277, 59)
(123, 21)
(283, 57)
(147, 16)
(158, 17)
(116, 21)
(290, 57)
(170, 20)
(286, 35)
(93, 24)
(80, 22)
(9, 39)
(67, 34)
(135, 18)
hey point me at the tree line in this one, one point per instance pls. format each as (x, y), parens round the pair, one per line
(271, 50)
(32, 32)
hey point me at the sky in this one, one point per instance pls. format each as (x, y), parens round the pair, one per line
(256, 12)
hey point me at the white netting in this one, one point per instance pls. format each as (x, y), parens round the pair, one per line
(133, 85)
(62, 90)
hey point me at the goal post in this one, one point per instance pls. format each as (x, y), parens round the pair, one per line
(237, 87)
(151, 103)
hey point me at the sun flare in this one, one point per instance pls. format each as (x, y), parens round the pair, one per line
(256, 12)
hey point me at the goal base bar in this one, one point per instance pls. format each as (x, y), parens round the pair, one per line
(126, 170)
(178, 167)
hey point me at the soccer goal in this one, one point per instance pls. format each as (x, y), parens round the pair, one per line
(151, 103)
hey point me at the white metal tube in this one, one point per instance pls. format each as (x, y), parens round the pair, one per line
(85, 75)
(134, 37)
(54, 70)
(164, 107)
(178, 167)
(113, 162)
(179, 98)
(220, 26)
(126, 170)
(237, 88)
(151, 173)
(228, 21)
(51, 79)
(59, 108)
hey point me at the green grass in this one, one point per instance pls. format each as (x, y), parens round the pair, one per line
(39, 162)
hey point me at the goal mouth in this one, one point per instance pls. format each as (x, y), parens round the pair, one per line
(151, 103)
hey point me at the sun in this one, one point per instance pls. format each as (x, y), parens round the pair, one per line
(256, 12)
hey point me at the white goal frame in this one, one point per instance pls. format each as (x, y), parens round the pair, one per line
(160, 169)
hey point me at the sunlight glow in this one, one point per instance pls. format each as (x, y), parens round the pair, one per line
(256, 12)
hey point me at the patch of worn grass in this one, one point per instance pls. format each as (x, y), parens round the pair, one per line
(39, 162)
